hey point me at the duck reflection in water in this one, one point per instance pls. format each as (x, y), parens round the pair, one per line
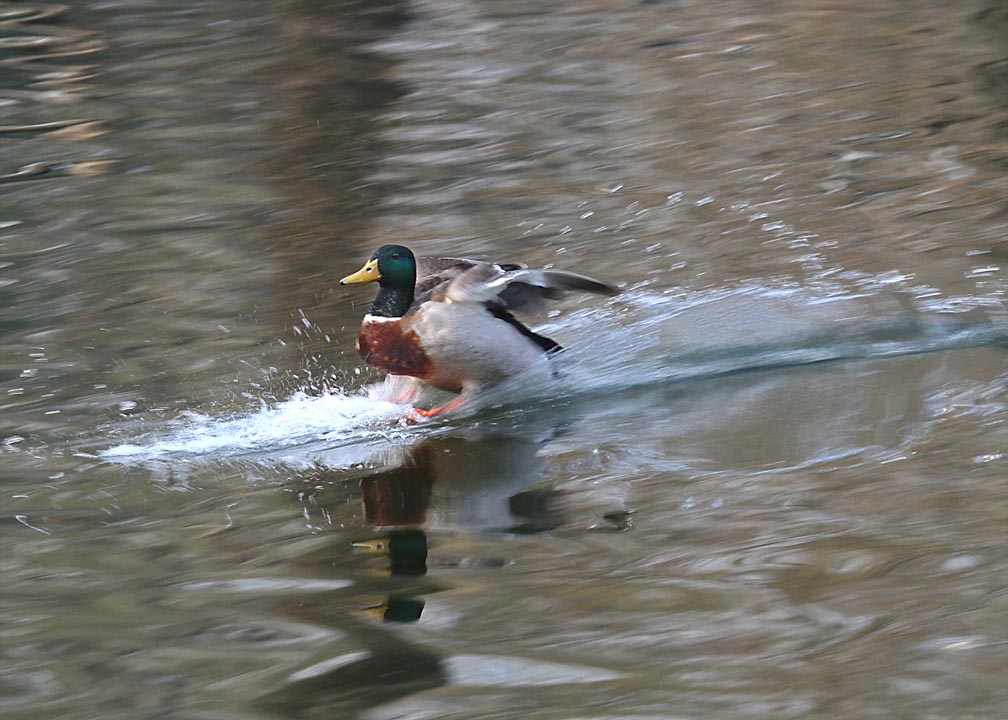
(469, 480)
(460, 481)
(466, 480)
(407, 553)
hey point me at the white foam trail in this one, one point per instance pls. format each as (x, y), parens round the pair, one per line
(643, 338)
(327, 420)
(639, 338)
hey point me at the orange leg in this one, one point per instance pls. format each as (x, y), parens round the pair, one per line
(447, 407)
(401, 397)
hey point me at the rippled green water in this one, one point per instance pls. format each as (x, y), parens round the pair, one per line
(770, 484)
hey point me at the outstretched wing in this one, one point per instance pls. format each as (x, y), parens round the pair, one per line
(435, 272)
(516, 287)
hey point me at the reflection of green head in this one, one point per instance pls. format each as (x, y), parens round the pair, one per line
(393, 267)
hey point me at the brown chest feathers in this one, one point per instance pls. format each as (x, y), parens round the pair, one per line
(387, 345)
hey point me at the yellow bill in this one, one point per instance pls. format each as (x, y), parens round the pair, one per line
(368, 273)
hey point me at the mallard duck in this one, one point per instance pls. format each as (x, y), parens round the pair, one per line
(447, 322)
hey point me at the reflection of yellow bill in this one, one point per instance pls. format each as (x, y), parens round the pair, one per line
(377, 546)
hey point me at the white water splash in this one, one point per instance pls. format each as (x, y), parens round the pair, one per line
(639, 338)
(326, 421)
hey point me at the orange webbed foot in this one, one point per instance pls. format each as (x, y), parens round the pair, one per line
(447, 407)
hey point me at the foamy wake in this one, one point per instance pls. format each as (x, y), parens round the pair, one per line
(636, 339)
(286, 431)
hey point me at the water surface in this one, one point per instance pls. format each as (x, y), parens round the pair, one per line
(771, 482)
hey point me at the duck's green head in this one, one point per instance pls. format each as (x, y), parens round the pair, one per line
(390, 266)
(393, 267)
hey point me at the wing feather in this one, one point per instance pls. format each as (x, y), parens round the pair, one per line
(523, 289)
